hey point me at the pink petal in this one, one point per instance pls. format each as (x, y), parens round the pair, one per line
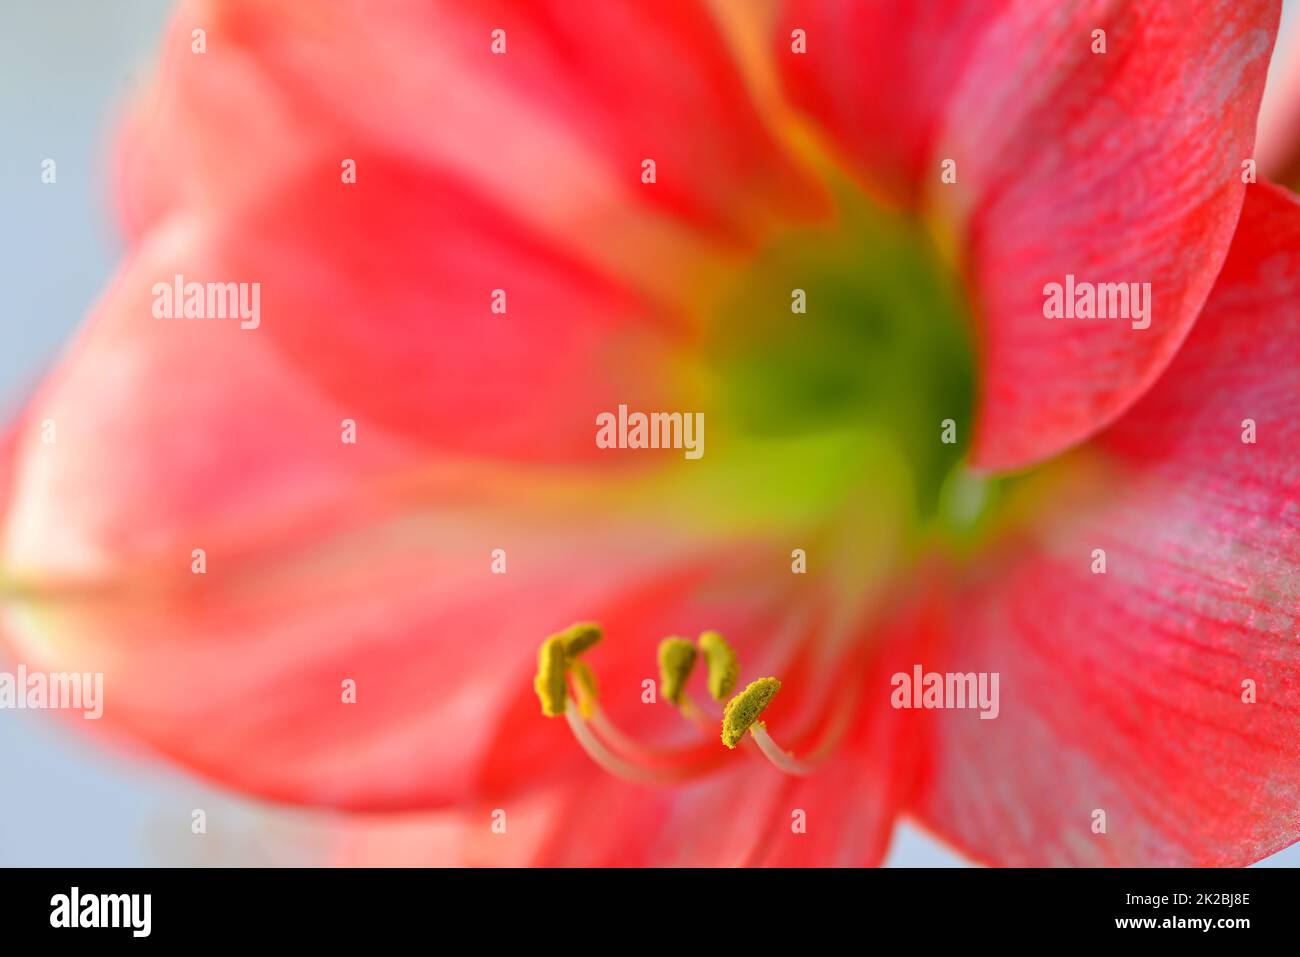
(1115, 167)
(328, 562)
(877, 77)
(381, 295)
(556, 128)
(238, 674)
(1123, 692)
(475, 173)
(372, 562)
(325, 561)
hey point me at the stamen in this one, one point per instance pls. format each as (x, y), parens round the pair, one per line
(558, 654)
(580, 637)
(723, 664)
(743, 710)
(676, 659)
(557, 664)
(633, 750)
(784, 760)
(742, 715)
(603, 756)
(629, 770)
(623, 756)
(585, 687)
(550, 684)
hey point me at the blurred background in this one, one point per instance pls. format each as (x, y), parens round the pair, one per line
(66, 67)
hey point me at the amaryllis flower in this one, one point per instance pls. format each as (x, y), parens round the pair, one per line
(315, 554)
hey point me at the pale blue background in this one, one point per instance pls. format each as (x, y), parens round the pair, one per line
(64, 65)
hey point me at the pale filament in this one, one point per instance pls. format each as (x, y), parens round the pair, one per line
(625, 769)
(783, 760)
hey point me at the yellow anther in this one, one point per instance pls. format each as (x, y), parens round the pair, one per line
(676, 659)
(743, 710)
(580, 637)
(549, 683)
(588, 691)
(723, 665)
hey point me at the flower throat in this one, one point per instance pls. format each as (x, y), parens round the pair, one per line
(858, 328)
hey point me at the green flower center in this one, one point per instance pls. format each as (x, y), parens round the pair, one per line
(854, 335)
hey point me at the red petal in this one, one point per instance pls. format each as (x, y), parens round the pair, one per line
(475, 172)
(877, 77)
(328, 562)
(238, 674)
(1115, 167)
(1123, 692)
(325, 561)
(1141, 181)
(381, 294)
(556, 127)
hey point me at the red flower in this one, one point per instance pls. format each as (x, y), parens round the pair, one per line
(477, 228)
